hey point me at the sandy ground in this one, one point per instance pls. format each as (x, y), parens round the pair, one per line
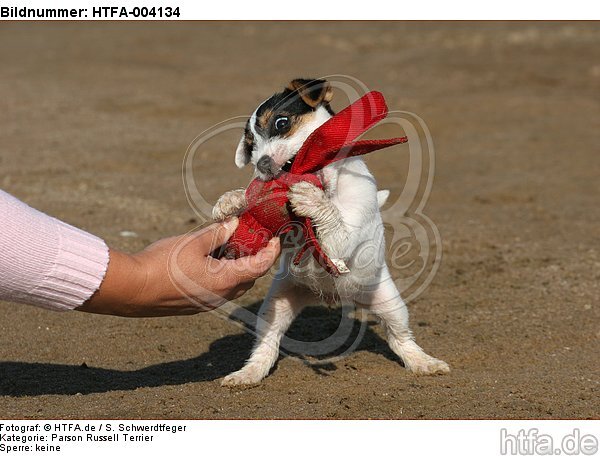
(94, 124)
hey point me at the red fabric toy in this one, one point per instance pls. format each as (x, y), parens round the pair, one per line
(268, 213)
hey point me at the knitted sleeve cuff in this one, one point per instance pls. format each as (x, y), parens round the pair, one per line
(79, 268)
(44, 261)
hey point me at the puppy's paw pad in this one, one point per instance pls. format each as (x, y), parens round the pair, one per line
(242, 377)
(305, 198)
(429, 366)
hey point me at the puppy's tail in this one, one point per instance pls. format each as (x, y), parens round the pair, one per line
(382, 196)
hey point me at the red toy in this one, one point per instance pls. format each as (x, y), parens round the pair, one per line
(268, 213)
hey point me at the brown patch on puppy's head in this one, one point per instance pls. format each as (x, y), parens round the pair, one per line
(296, 123)
(312, 91)
(284, 115)
(286, 112)
(264, 118)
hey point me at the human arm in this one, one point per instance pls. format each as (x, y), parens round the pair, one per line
(177, 276)
(50, 264)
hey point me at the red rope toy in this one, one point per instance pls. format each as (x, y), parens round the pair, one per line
(268, 213)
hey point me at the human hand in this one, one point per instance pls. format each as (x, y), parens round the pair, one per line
(177, 276)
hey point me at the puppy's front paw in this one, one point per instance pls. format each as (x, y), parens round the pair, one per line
(247, 375)
(230, 203)
(306, 199)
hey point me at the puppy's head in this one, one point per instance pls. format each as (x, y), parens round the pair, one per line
(276, 130)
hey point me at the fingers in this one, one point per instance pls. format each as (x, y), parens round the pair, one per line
(216, 235)
(258, 265)
(251, 267)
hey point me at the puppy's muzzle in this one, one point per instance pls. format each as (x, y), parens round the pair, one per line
(266, 165)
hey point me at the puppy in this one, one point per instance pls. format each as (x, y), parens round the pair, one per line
(349, 228)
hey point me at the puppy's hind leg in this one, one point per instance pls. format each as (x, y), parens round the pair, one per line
(385, 302)
(282, 305)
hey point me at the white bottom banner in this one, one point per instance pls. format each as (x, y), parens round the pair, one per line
(464, 438)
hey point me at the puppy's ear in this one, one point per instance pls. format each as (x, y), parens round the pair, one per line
(312, 91)
(243, 152)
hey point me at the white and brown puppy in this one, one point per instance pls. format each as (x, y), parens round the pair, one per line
(349, 228)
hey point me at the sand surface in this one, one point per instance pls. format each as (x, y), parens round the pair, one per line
(94, 124)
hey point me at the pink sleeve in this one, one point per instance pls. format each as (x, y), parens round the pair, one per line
(45, 262)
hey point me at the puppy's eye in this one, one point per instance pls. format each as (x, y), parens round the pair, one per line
(281, 123)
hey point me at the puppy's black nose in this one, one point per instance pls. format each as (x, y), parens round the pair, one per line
(265, 165)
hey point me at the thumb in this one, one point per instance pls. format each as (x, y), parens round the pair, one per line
(216, 235)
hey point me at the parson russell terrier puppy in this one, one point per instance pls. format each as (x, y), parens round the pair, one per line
(349, 228)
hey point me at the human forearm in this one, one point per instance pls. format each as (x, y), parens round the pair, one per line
(47, 263)
(121, 288)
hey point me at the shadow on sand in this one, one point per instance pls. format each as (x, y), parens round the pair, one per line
(224, 356)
